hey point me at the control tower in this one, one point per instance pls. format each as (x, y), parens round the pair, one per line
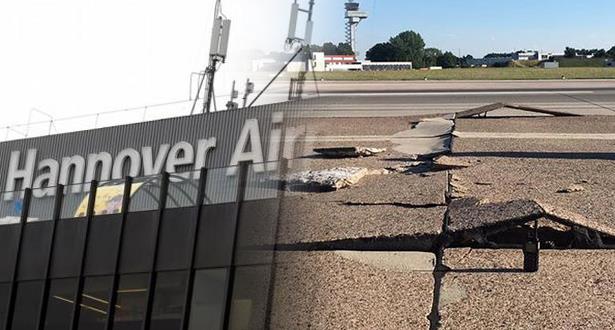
(354, 16)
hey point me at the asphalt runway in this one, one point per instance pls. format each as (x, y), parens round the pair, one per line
(393, 99)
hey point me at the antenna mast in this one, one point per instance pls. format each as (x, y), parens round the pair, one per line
(217, 54)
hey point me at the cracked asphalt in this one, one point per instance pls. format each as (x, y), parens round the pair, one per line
(384, 215)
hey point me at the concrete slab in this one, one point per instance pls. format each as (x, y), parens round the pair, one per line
(393, 261)
(411, 190)
(538, 169)
(589, 124)
(328, 291)
(430, 127)
(572, 290)
(332, 225)
(424, 147)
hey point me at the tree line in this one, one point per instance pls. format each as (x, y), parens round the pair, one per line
(409, 46)
(598, 53)
(330, 48)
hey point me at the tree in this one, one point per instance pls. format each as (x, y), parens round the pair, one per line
(495, 55)
(611, 53)
(329, 48)
(431, 56)
(447, 60)
(316, 49)
(466, 61)
(600, 53)
(410, 47)
(382, 52)
(570, 52)
(344, 49)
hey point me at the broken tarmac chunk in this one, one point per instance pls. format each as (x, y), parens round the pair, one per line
(326, 180)
(410, 167)
(471, 221)
(575, 188)
(445, 163)
(441, 163)
(429, 127)
(349, 152)
(469, 214)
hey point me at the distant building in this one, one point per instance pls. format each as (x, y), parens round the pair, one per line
(543, 56)
(491, 61)
(322, 62)
(526, 56)
(550, 65)
(340, 59)
(386, 66)
(318, 62)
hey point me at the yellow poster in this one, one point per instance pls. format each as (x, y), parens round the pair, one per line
(108, 200)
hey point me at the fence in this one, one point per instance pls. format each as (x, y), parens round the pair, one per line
(116, 200)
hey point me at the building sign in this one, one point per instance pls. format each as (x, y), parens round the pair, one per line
(177, 145)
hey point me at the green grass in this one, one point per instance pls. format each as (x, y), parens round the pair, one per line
(474, 74)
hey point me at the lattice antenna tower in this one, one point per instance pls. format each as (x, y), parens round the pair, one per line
(354, 16)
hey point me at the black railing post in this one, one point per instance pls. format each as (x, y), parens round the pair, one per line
(531, 251)
(25, 210)
(241, 191)
(282, 171)
(200, 199)
(164, 190)
(118, 255)
(57, 211)
(84, 251)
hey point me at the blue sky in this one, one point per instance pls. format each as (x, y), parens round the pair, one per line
(478, 27)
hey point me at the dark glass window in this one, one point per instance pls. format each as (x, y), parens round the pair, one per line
(169, 301)
(102, 245)
(9, 240)
(250, 297)
(138, 242)
(95, 302)
(131, 300)
(27, 305)
(208, 299)
(60, 304)
(4, 299)
(34, 250)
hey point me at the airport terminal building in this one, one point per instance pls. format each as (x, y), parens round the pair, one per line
(157, 225)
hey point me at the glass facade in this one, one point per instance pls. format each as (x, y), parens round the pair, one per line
(27, 303)
(60, 304)
(94, 306)
(208, 302)
(169, 300)
(161, 252)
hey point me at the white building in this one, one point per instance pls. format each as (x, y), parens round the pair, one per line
(322, 62)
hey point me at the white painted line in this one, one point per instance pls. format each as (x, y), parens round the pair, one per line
(449, 105)
(347, 138)
(461, 93)
(547, 136)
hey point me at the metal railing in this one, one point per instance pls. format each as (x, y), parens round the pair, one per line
(127, 189)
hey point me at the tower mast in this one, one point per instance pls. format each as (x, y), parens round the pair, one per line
(354, 16)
